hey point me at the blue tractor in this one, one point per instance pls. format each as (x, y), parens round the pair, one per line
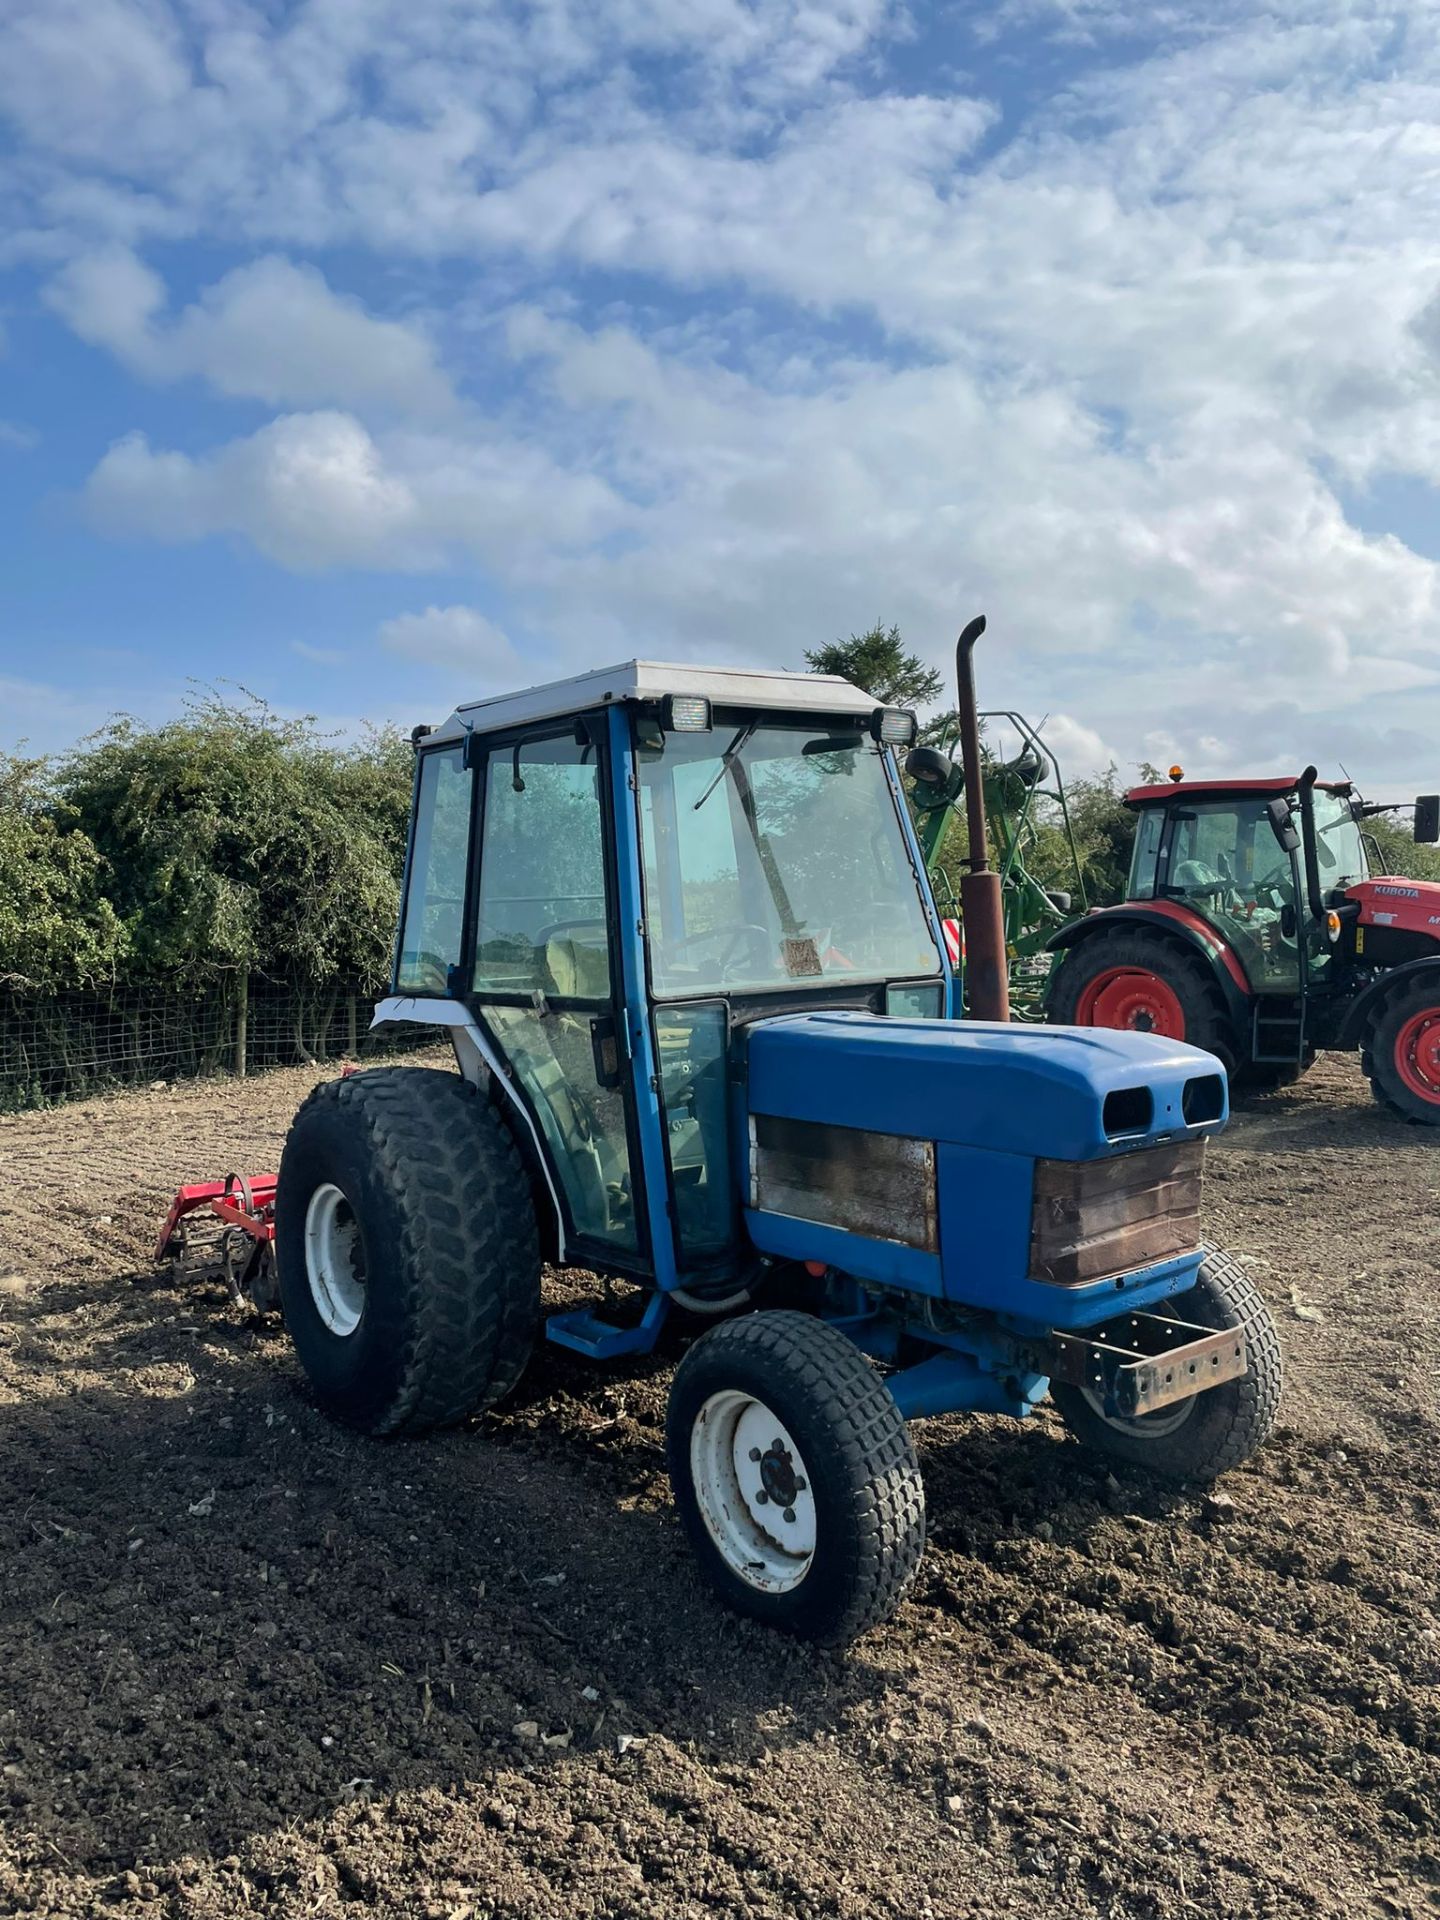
(677, 927)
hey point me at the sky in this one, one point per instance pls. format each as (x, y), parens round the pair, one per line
(376, 357)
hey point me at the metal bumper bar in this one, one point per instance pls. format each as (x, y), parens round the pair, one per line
(1141, 1362)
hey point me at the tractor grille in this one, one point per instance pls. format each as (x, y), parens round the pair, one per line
(875, 1184)
(1093, 1219)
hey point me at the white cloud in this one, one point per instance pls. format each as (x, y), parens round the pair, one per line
(318, 656)
(451, 637)
(1109, 370)
(19, 439)
(316, 490)
(268, 331)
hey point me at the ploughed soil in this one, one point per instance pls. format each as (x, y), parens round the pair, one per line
(250, 1664)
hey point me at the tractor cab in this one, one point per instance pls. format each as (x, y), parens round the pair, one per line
(616, 873)
(1222, 851)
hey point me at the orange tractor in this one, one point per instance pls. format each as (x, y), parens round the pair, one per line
(1254, 927)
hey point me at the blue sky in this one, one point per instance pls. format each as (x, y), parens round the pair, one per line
(382, 356)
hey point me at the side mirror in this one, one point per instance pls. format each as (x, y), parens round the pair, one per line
(1427, 819)
(937, 778)
(1277, 812)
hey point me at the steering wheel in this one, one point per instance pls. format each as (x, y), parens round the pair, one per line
(732, 936)
(1200, 881)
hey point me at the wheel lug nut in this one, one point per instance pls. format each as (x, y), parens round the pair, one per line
(755, 1453)
(789, 1514)
(799, 1486)
(761, 1497)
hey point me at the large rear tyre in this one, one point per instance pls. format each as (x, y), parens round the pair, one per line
(1205, 1436)
(407, 1250)
(1130, 979)
(1401, 1055)
(795, 1476)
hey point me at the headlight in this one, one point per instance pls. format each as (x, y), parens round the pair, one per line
(894, 727)
(1094, 1219)
(685, 713)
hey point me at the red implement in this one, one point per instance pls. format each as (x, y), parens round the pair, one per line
(243, 1208)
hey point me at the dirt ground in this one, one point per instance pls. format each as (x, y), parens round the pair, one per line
(252, 1665)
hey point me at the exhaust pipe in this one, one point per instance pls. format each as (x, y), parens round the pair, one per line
(1313, 892)
(987, 984)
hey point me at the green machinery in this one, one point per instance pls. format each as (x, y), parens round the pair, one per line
(1022, 794)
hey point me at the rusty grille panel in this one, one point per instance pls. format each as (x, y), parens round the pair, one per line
(1092, 1219)
(875, 1184)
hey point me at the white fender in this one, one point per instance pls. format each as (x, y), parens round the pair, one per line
(473, 1050)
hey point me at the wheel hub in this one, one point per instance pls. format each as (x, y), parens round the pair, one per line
(1133, 998)
(777, 1475)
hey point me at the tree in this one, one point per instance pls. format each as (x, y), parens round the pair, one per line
(1399, 853)
(877, 663)
(56, 927)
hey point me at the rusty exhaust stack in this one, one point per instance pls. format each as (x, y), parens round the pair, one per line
(987, 984)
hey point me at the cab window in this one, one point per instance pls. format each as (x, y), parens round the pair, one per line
(433, 923)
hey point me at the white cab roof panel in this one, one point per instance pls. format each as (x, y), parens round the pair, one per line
(645, 680)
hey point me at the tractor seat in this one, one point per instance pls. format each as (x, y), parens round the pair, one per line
(577, 967)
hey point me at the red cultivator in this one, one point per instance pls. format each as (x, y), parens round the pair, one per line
(227, 1226)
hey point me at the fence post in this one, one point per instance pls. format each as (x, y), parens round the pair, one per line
(352, 1028)
(242, 1022)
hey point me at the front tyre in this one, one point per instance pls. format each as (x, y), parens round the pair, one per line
(1207, 1435)
(1402, 1052)
(407, 1250)
(795, 1477)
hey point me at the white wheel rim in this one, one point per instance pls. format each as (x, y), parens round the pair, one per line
(332, 1250)
(754, 1492)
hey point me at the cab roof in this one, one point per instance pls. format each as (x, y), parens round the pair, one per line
(1264, 789)
(821, 694)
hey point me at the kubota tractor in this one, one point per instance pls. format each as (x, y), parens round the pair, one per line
(677, 927)
(1253, 927)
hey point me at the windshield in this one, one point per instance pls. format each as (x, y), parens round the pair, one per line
(1337, 841)
(774, 857)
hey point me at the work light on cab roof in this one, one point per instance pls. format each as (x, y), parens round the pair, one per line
(676, 925)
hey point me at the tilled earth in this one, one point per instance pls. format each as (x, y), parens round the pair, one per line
(252, 1665)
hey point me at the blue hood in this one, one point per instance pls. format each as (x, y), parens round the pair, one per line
(1030, 1090)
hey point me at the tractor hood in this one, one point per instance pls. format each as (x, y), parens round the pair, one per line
(1413, 906)
(1059, 1093)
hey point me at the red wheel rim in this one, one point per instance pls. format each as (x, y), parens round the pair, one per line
(1417, 1055)
(1130, 997)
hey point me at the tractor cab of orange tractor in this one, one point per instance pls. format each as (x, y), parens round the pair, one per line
(1253, 926)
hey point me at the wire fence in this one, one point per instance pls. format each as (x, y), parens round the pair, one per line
(68, 1045)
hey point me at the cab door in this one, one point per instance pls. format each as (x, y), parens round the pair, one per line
(544, 974)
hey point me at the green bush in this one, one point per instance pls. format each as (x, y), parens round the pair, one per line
(230, 840)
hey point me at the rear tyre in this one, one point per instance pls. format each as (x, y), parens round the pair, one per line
(1130, 979)
(1203, 1437)
(1401, 1055)
(407, 1250)
(794, 1476)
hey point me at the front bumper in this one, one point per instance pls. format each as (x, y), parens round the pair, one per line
(1139, 1362)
